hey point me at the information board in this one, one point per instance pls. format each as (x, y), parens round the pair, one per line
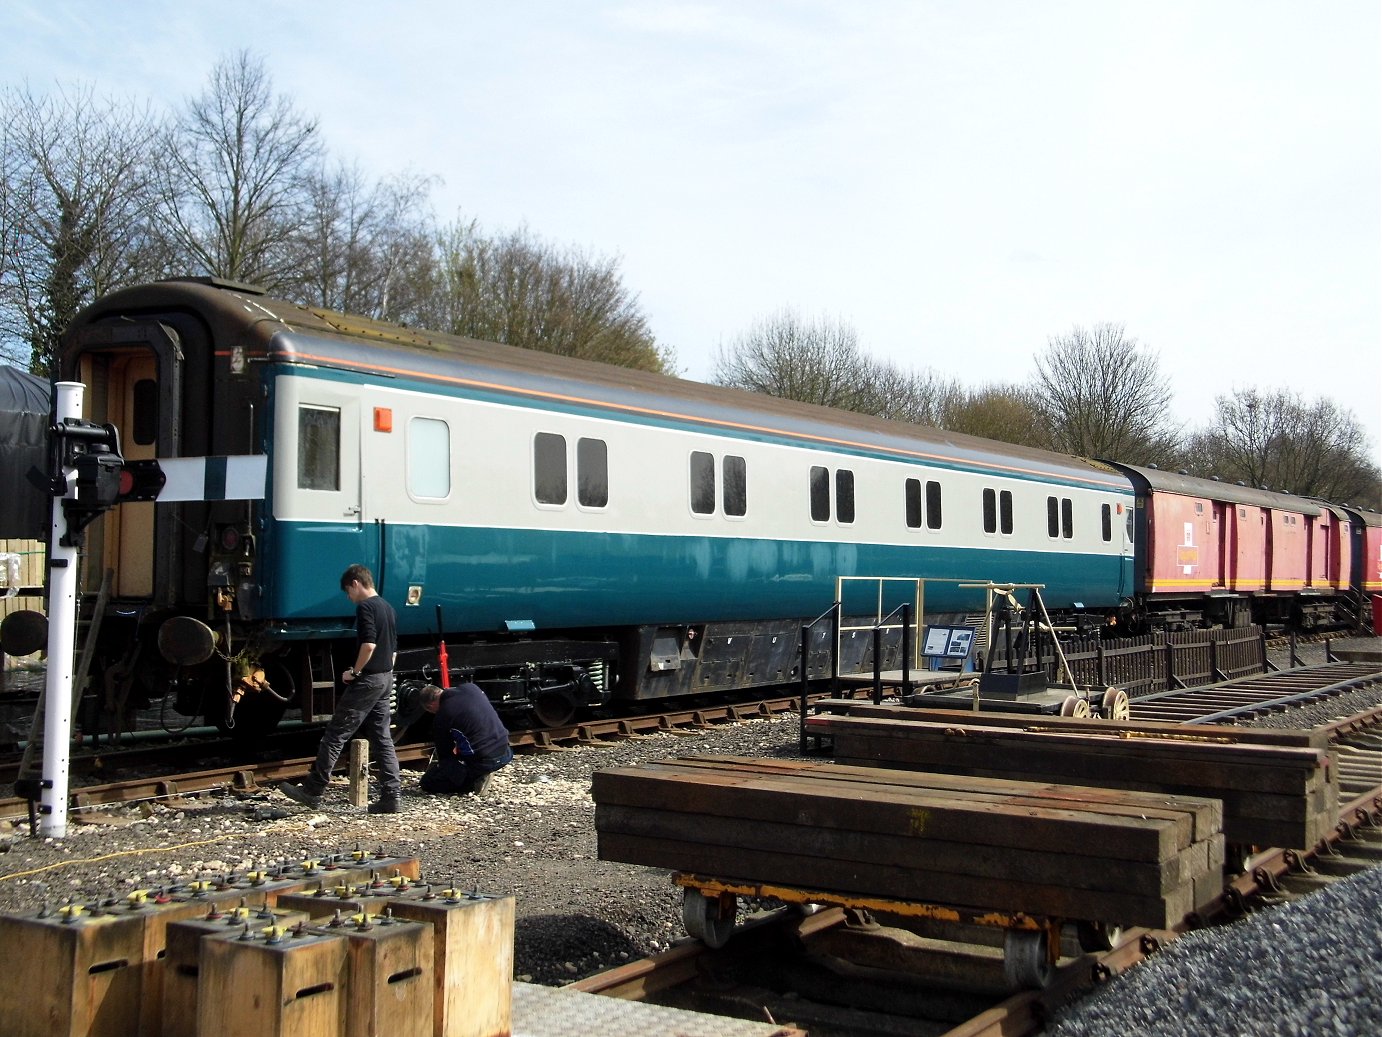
(947, 642)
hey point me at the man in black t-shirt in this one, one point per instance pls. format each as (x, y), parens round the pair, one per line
(472, 742)
(364, 704)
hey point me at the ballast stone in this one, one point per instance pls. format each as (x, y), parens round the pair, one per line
(1305, 969)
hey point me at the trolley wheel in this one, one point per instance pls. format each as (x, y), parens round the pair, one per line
(1115, 705)
(1074, 706)
(1027, 961)
(708, 919)
(1098, 936)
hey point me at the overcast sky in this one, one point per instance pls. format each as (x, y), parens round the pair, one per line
(959, 180)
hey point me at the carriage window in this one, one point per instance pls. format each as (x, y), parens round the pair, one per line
(592, 473)
(702, 483)
(844, 495)
(549, 468)
(912, 502)
(933, 505)
(319, 448)
(820, 494)
(1067, 517)
(1106, 521)
(736, 486)
(429, 458)
(1005, 511)
(144, 428)
(1052, 517)
(990, 511)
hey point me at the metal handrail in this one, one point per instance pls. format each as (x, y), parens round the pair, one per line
(906, 609)
(833, 614)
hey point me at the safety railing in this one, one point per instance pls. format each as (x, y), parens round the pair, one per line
(832, 614)
(885, 623)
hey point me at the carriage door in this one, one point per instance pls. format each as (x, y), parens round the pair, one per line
(1223, 539)
(318, 499)
(131, 405)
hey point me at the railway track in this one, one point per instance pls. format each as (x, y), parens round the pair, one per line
(249, 775)
(1249, 698)
(960, 968)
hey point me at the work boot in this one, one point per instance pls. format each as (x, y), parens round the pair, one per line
(481, 783)
(299, 794)
(384, 805)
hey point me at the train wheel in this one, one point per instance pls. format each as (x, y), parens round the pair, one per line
(708, 919)
(1098, 936)
(553, 707)
(1074, 706)
(1026, 959)
(1115, 705)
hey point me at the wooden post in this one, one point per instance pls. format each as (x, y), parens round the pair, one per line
(359, 772)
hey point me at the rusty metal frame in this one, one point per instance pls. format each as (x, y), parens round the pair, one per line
(1019, 921)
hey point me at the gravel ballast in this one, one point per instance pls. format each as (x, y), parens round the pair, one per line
(532, 835)
(1309, 968)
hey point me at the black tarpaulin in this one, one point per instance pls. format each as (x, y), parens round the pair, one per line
(24, 415)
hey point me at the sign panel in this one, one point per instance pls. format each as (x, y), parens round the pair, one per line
(947, 642)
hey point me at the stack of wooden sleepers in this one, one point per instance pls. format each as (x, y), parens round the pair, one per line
(985, 844)
(1278, 787)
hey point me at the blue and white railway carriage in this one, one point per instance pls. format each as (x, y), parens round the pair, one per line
(576, 530)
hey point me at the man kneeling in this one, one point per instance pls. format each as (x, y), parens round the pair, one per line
(472, 742)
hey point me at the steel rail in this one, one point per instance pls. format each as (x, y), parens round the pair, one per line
(247, 777)
(1243, 697)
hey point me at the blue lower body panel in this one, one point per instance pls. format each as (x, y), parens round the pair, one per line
(484, 578)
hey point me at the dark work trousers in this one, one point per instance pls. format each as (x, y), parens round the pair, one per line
(364, 707)
(458, 775)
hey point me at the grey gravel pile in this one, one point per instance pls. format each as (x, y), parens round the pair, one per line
(1311, 968)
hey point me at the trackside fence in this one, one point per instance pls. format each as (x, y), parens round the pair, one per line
(1155, 662)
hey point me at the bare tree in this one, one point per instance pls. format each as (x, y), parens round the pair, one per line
(514, 288)
(237, 178)
(1276, 441)
(820, 362)
(240, 191)
(786, 356)
(1102, 395)
(15, 349)
(359, 237)
(75, 209)
(921, 397)
(1008, 413)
